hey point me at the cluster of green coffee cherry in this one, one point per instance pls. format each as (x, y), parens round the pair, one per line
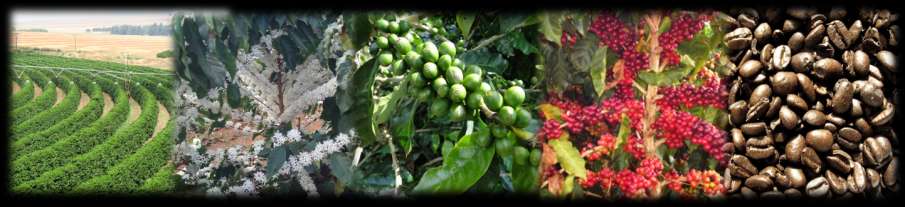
(453, 89)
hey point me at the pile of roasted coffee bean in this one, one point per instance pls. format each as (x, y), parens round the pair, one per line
(811, 103)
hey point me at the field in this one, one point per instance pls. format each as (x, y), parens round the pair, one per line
(142, 50)
(102, 131)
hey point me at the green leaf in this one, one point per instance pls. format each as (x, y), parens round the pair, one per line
(275, 160)
(512, 21)
(464, 20)
(525, 177)
(462, 167)
(601, 60)
(387, 105)
(551, 26)
(403, 128)
(624, 131)
(568, 185)
(341, 168)
(358, 28)
(354, 99)
(666, 77)
(569, 157)
(665, 25)
(490, 62)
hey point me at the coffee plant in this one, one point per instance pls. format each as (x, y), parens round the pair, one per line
(634, 105)
(436, 105)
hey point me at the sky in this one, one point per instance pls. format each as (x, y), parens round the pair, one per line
(74, 21)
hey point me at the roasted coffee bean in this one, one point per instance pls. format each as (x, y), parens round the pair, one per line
(737, 112)
(796, 103)
(796, 41)
(754, 129)
(837, 183)
(864, 127)
(842, 98)
(838, 34)
(808, 90)
(884, 116)
(773, 110)
(891, 175)
(738, 140)
(811, 160)
(857, 180)
(814, 36)
(794, 148)
(856, 110)
(748, 194)
(781, 57)
(750, 69)
(840, 161)
(792, 193)
(759, 183)
(738, 38)
(871, 95)
(784, 82)
(766, 54)
(860, 63)
(825, 48)
(758, 110)
(850, 134)
(740, 166)
(762, 91)
(796, 177)
(760, 148)
(877, 151)
(818, 188)
(820, 139)
(788, 118)
(814, 118)
(873, 179)
(762, 32)
(803, 61)
(827, 68)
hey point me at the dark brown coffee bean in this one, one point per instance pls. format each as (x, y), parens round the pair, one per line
(840, 161)
(740, 166)
(872, 42)
(820, 139)
(759, 183)
(738, 38)
(773, 110)
(770, 171)
(794, 148)
(810, 159)
(827, 68)
(837, 33)
(792, 193)
(877, 151)
(784, 82)
(759, 152)
(857, 180)
(814, 36)
(891, 175)
(825, 48)
(856, 110)
(772, 195)
(847, 145)
(803, 61)
(814, 118)
(873, 179)
(884, 116)
(871, 95)
(738, 140)
(762, 91)
(860, 63)
(737, 112)
(788, 118)
(850, 134)
(762, 32)
(808, 89)
(864, 127)
(754, 129)
(781, 57)
(766, 53)
(836, 120)
(758, 109)
(796, 103)
(750, 69)
(748, 194)
(837, 184)
(796, 177)
(842, 98)
(817, 188)
(796, 42)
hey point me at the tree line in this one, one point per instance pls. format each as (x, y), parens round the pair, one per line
(155, 29)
